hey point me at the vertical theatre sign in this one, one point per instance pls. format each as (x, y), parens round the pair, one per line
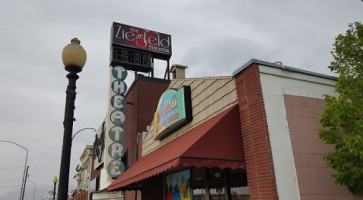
(116, 118)
(134, 49)
(174, 111)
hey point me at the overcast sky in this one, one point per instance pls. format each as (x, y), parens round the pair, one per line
(212, 37)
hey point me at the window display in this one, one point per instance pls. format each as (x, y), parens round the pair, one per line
(178, 186)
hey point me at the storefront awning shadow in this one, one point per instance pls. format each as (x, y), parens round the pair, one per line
(216, 142)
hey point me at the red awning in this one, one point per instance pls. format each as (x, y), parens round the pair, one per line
(214, 143)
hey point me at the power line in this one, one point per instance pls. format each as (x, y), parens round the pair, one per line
(2, 186)
(5, 168)
(45, 167)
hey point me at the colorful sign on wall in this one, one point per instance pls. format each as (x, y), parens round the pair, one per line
(173, 111)
(178, 186)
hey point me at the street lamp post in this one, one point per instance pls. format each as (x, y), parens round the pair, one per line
(22, 189)
(93, 129)
(55, 180)
(35, 187)
(74, 58)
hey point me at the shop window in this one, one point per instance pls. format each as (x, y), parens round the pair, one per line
(240, 193)
(207, 184)
(212, 183)
(178, 186)
(199, 194)
(217, 193)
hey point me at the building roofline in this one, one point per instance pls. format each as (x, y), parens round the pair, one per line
(202, 78)
(141, 77)
(282, 67)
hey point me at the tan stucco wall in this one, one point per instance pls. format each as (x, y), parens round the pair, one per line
(209, 96)
(276, 83)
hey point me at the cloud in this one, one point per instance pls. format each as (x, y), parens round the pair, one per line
(212, 37)
(223, 55)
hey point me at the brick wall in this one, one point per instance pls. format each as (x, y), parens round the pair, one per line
(130, 124)
(303, 114)
(142, 100)
(259, 163)
(150, 93)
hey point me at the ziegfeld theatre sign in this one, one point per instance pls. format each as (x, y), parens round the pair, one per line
(134, 48)
(140, 38)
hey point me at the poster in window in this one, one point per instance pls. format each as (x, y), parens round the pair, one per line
(178, 186)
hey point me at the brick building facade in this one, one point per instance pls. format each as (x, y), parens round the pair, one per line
(259, 162)
(277, 109)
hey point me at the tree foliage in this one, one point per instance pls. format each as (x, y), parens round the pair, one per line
(342, 121)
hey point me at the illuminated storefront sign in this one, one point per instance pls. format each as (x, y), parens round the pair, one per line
(173, 111)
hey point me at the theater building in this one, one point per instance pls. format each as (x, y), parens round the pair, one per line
(251, 135)
(142, 97)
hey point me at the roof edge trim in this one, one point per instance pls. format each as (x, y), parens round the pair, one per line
(278, 66)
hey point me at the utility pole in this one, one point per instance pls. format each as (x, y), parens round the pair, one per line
(26, 177)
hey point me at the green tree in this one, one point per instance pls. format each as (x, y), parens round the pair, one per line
(342, 121)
